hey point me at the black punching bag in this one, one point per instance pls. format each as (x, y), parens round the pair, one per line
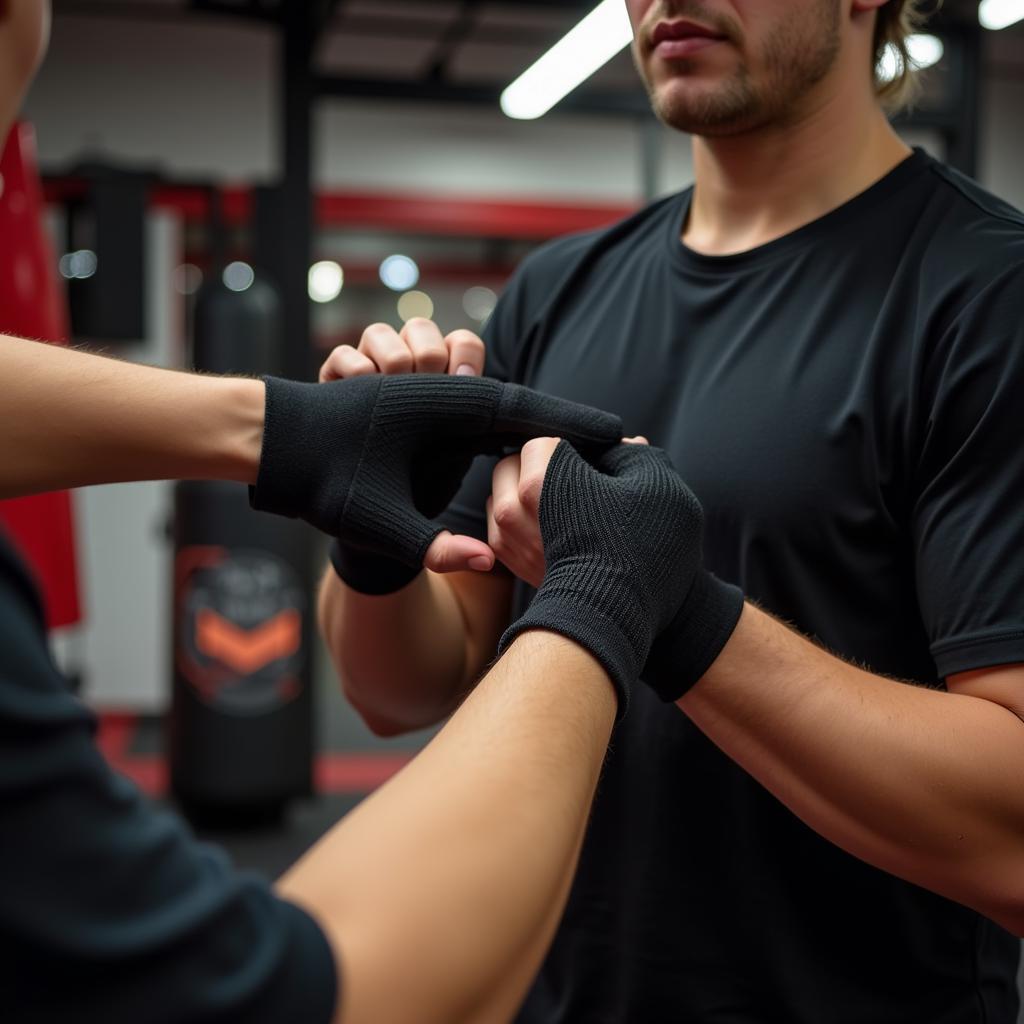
(241, 714)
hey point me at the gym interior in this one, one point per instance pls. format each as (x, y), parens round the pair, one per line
(242, 186)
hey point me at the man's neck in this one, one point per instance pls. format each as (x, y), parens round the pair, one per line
(758, 186)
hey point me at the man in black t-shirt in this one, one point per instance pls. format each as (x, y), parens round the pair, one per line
(827, 334)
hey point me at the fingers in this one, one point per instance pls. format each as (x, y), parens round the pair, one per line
(513, 531)
(387, 349)
(631, 459)
(418, 348)
(533, 414)
(423, 339)
(451, 552)
(534, 459)
(345, 362)
(466, 354)
(639, 439)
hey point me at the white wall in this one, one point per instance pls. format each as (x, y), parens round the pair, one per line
(126, 557)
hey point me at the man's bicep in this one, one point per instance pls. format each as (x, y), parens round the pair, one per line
(1001, 684)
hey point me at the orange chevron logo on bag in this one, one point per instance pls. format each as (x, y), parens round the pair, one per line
(248, 650)
(240, 625)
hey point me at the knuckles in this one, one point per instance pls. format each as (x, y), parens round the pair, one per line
(529, 492)
(415, 323)
(396, 362)
(506, 514)
(466, 339)
(432, 360)
(375, 331)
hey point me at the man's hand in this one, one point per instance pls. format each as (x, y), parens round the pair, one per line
(622, 542)
(702, 622)
(513, 527)
(418, 348)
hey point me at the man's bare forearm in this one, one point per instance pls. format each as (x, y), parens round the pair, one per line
(108, 421)
(921, 783)
(406, 659)
(429, 903)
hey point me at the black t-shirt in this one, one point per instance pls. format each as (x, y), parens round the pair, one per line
(110, 911)
(846, 402)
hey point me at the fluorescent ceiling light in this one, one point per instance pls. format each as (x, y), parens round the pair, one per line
(1000, 13)
(924, 51)
(603, 33)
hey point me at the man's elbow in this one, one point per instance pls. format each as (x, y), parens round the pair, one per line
(380, 724)
(327, 621)
(1010, 914)
(1012, 922)
(998, 894)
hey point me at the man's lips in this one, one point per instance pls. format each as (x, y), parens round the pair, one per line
(673, 40)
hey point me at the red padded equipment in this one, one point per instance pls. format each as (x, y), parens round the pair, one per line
(33, 305)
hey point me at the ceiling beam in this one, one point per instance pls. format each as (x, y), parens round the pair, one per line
(255, 10)
(457, 32)
(425, 27)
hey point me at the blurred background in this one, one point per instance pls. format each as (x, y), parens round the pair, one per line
(244, 185)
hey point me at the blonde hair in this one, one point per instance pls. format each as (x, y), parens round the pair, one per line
(896, 21)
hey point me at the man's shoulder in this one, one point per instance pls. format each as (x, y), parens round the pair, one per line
(974, 234)
(638, 229)
(976, 204)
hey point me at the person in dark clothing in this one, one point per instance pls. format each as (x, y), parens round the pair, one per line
(826, 334)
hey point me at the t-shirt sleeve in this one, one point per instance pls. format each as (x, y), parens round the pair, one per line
(968, 501)
(110, 910)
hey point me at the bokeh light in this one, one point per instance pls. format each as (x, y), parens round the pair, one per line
(238, 276)
(413, 304)
(326, 279)
(187, 279)
(479, 303)
(399, 273)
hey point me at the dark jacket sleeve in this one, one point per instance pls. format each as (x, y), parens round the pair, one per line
(110, 910)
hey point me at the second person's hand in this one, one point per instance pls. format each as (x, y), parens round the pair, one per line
(419, 347)
(371, 460)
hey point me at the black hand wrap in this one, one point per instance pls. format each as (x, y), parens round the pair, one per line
(622, 543)
(370, 460)
(694, 638)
